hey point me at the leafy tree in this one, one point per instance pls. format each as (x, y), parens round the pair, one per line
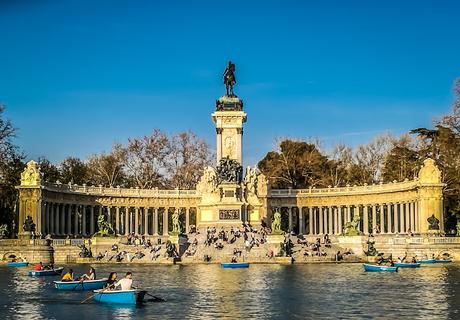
(297, 164)
(187, 156)
(107, 169)
(49, 170)
(73, 170)
(144, 160)
(402, 161)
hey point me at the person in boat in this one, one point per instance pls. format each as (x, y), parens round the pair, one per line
(49, 267)
(111, 280)
(126, 283)
(391, 262)
(68, 276)
(91, 275)
(413, 260)
(38, 266)
(234, 260)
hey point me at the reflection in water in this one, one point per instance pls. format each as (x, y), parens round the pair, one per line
(262, 291)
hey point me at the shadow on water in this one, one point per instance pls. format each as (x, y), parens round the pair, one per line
(261, 291)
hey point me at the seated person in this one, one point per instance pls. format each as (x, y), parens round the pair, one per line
(38, 266)
(125, 283)
(91, 275)
(111, 280)
(233, 260)
(68, 276)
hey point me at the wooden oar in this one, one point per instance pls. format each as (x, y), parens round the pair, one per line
(150, 295)
(88, 298)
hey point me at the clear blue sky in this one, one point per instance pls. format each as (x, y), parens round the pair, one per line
(78, 75)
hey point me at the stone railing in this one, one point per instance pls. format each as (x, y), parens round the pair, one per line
(23, 242)
(349, 190)
(120, 192)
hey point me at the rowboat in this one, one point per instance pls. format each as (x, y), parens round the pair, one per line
(41, 273)
(427, 261)
(80, 285)
(407, 265)
(235, 265)
(442, 260)
(119, 296)
(377, 268)
(18, 264)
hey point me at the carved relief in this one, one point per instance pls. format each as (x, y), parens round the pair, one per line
(31, 176)
(429, 173)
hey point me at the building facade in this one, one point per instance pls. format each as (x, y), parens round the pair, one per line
(225, 196)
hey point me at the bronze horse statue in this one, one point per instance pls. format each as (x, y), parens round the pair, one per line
(229, 79)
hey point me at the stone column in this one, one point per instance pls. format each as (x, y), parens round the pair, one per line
(117, 220)
(290, 218)
(365, 219)
(146, 220)
(155, 221)
(83, 220)
(127, 221)
(339, 222)
(300, 220)
(77, 229)
(136, 220)
(165, 221)
(320, 213)
(407, 217)
(187, 220)
(310, 220)
(57, 220)
(348, 214)
(413, 217)
(47, 219)
(62, 216)
(91, 222)
(109, 215)
(330, 221)
(402, 212)
(416, 217)
(382, 219)
(390, 220)
(374, 217)
(396, 220)
(67, 209)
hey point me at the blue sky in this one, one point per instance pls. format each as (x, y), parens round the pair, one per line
(78, 75)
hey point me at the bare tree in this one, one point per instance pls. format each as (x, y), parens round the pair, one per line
(107, 169)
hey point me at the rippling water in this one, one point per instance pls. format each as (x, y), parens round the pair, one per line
(262, 291)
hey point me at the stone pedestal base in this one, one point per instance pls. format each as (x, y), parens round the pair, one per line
(275, 238)
(174, 239)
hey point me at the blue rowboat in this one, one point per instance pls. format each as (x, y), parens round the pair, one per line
(41, 273)
(80, 285)
(377, 268)
(235, 265)
(119, 296)
(443, 261)
(17, 264)
(407, 265)
(427, 261)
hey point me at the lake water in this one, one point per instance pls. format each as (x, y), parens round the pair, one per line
(263, 291)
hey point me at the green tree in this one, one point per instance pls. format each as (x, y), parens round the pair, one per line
(49, 170)
(297, 164)
(402, 161)
(73, 170)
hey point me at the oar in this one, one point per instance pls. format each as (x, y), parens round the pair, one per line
(88, 298)
(151, 295)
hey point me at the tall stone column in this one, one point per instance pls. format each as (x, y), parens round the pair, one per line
(320, 213)
(310, 220)
(83, 220)
(46, 220)
(69, 220)
(77, 223)
(330, 221)
(62, 214)
(146, 221)
(136, 220)
(339, 213)
(290, 218)
(348, 214)
(413, 216)
(187, 220)
(365, 219)
(402, 213)
(117, 220)
(58, 220)
(109, 215)
(127, 231)
(165, 221)
(396, 221)
(51, 217)
(390, 220)
(155, 221)
(91, 220)
(416, 217)
(374, 217)
(382, 219)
